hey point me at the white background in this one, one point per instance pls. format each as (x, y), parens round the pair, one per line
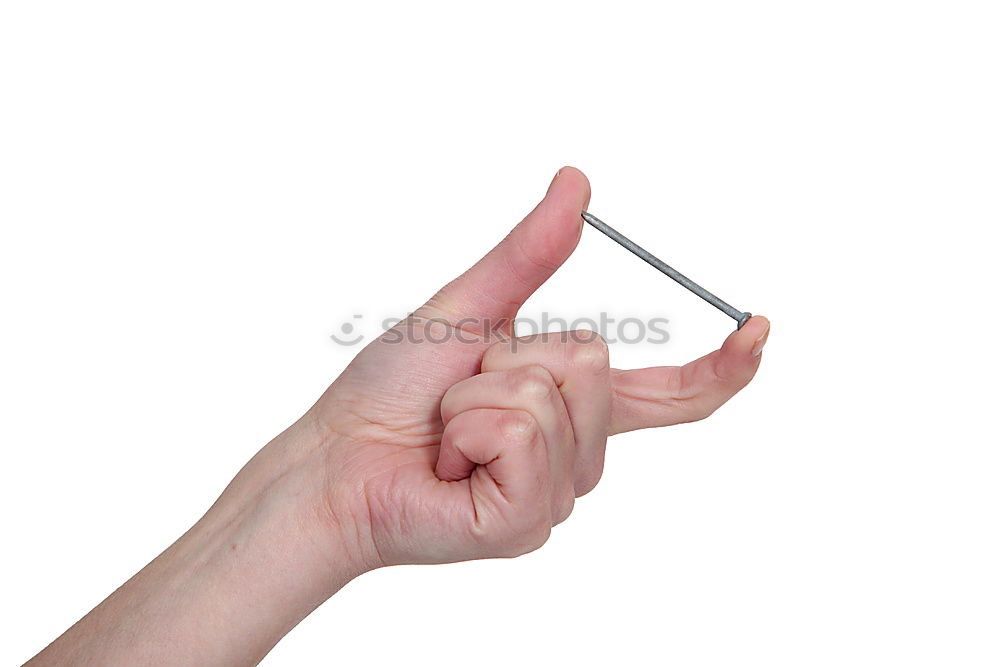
(195, 195)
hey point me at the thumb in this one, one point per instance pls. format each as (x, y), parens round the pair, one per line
(499, 283)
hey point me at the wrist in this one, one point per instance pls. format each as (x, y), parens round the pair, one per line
(259, 561)
(294, 499)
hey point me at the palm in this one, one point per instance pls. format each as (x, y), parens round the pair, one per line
(393, 388)
(388, 401)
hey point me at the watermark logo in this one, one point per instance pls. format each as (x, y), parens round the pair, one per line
(348, 333)
(628, 330)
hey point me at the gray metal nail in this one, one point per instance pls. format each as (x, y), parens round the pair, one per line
(658, 264)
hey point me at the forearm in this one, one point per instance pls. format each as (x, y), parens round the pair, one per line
(233, 585)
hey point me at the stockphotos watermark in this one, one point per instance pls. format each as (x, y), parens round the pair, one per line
(358, 329)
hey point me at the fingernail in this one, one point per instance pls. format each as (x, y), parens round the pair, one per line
(758, 345)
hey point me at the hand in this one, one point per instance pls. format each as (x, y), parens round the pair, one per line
(438, 443)
(446, 445)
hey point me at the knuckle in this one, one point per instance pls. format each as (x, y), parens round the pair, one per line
(591, 353)
(518, 427)
(533, 383)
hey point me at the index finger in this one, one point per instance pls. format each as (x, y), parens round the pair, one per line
(667, 395)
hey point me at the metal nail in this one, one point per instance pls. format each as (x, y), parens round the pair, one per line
(658, 264)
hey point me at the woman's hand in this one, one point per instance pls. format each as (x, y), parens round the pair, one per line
(448, 440)
(443, 440)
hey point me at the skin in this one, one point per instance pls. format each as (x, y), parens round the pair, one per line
(471, 446)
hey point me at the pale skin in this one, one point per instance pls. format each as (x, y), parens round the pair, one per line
(420, 452)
